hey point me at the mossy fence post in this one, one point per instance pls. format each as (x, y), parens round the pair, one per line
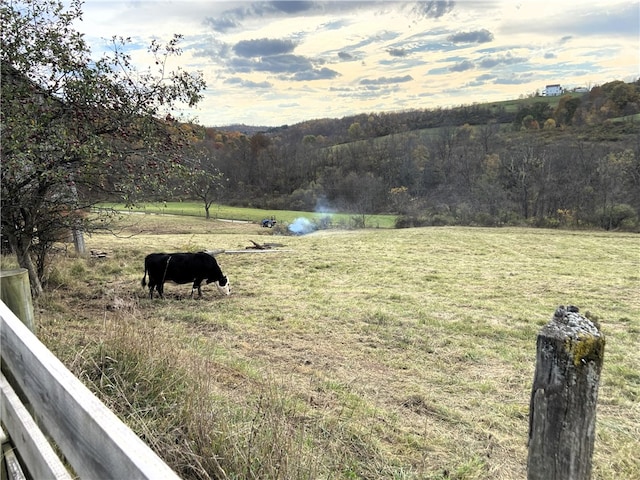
(15, 292)
(562, 414)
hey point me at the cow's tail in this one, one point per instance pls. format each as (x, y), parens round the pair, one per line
(144, 279)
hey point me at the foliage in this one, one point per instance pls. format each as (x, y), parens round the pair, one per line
(566, 109)
(550, 161)
(75, 130)
(615, 216)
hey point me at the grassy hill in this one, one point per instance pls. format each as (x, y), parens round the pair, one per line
(353, 354)
(514, 105)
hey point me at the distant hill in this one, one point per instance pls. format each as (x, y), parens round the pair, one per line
(477, 113)
(569, 160)
(242, 128)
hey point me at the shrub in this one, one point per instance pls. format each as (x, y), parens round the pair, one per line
(616, 217)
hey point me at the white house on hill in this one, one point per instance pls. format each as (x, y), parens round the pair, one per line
(552, 91)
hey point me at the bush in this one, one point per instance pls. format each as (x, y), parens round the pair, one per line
(485, 220)
(617, 216)
(442, 220)
(410, 221)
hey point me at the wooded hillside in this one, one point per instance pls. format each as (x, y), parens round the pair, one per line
(546, 161)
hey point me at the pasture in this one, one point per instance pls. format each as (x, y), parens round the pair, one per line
(255, 215)
(367, 354)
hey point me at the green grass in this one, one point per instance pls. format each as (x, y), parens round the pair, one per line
(515, 104)
(255, 215)
(373, 353)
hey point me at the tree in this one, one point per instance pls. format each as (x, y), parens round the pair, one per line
(75, 130)
(621, 93)
(363, 194)
(487, 134)
(566, 109)
(523, 171)
(610, 173)
(204, 181)
(355, 131)
(538, 113)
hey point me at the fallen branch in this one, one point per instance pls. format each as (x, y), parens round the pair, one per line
(264, 246)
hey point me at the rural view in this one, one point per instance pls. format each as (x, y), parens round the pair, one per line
(388, 272)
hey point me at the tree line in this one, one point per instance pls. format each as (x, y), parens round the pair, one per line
(574, 164)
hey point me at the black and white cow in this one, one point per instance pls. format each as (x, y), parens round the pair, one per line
(183, 268)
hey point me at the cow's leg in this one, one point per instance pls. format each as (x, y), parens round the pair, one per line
(160, 289)
(151, 287)
(196, 284)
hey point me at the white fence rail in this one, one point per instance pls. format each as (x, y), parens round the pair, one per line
(93, 440)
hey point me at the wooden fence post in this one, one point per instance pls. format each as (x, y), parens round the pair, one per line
(15, 292)
(562, 413)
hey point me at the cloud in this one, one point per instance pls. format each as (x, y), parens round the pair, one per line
(514, 79)
(221, 25)
(438, 71)
(462, 66)
(403, 63)
(284, 64)
(314, 74)
(230, 19)
(485, 77)
(386, 80)
(335, 25)
(212, 48)
(247, 83)
(291, 6)
(265, 11)
(345, 56)
(379, 37)
(478, 36)
(433, 8)
(481, 80)
(263, 47)
(397, 52)
(490, 62)
(288, 67)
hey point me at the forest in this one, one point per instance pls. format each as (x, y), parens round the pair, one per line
(572, 162)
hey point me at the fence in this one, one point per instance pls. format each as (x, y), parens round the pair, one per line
(562, 413)
(92, 440)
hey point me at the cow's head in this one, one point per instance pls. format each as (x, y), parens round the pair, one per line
(224, 286)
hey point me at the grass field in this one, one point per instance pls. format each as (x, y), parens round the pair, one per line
(360, 354)
(254, 215)
(515, 104)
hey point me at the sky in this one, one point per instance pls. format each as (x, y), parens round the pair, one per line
(274, 63)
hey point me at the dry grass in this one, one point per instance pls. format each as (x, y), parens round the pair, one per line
(361, 354)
